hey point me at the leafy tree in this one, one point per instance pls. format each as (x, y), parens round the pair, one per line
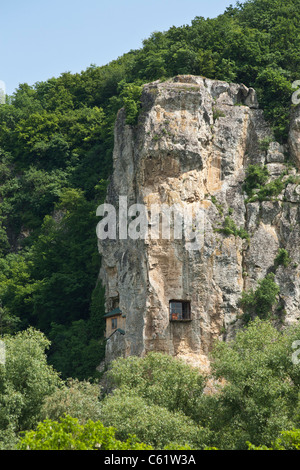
(274, 86)
(17, 287)
(129, 413)
(288, 440)
(261, 301)
(258, 393)
(79, 399)
(160, 379)
(57, 136)
(76, 350)
(155, 397)
(68, 434)
(25, 380)
(130, 96)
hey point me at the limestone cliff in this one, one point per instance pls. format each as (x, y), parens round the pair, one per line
(192, 145)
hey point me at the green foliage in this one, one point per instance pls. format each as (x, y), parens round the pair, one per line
(260, 388)
(64, 267)
(52, 178)
(131, 95)
(156, 396)
(272, 189)
(261, 301)
(257, 398)
(282, 258)
(25, 380)
(217, 113)
(68, 434)
(256, 177)
(165, 381)
(218, 206)
(269, 190)
(129, 413)
(288, 440)
(229, 228)
(56, 158)
(256, 186)
(30, 196)
(79, 399)
(264, 143)
(256, 395)
(274, 86)
(52, 286)
(76, 350)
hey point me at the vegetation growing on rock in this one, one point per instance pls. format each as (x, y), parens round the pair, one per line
(56, 143)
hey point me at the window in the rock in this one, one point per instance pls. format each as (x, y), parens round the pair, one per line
(180, 310)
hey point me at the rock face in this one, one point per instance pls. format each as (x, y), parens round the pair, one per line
(191, 147)
(294, 136)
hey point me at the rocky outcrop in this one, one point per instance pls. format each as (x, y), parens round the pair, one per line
(191, 147)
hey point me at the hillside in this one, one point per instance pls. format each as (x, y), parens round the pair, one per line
(202, 115)
(56, 141)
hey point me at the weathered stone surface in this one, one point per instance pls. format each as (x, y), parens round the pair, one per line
(292, 193)
(275, 153)
(116, 346)
(191, 147)
(294, 135)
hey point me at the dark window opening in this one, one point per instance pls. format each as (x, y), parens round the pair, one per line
(180, 310)
(114, 302)
(114, 323)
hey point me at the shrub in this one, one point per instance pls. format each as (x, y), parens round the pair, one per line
(217, 113)
(282, 258)
(256, 176)
(229, 228)
(264, 143)
(269, 190)
(260, 301)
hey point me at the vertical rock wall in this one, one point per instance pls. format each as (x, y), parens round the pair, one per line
(193, 142)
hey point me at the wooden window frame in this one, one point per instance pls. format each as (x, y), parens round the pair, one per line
(180, 310)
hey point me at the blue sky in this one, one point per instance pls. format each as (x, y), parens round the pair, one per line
(40, 39)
